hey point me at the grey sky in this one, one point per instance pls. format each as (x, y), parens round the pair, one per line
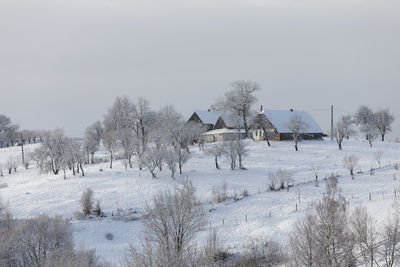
(62, 63)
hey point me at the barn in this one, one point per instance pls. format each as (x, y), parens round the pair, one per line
(273, 124)
(219, 126)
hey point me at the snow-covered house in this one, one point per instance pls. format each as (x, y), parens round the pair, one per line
(273, 123)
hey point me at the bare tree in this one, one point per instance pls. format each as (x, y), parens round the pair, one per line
(7, 130)
(151, 159)
(364, 117)
(171, 160)
(12, 164)
(316, 168)
(230, 151)
(343, 129)
(145, 120)
(324, 238)
(298, 127)
(383, 121)
(378, 157)
(93, 134)
(350, 162)
(239, 100)
(241, 151)
(391, 241)
(280, 179)
(172, 222)
(216, 151)
(368, 241)
(370, 131)
(110, 143)
(55, 145)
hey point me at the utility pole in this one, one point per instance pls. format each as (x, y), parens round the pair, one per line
(22, 148)
(331, 122)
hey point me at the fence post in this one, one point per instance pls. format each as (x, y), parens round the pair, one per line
(369, 196)
(245, 217)
(223, 222)
(296, 206)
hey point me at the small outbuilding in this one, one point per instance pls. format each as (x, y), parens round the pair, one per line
(220, 135)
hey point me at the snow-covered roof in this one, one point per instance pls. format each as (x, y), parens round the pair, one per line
(280, 119)
(223, 131)
(211, 117)
(208, 117)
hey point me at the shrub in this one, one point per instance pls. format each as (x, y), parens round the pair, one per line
(97, 209)
(220, 192)
(87, 201)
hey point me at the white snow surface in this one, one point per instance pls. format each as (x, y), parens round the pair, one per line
(280, 119)
(30, 193)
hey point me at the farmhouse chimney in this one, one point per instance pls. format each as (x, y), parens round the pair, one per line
(261, 108)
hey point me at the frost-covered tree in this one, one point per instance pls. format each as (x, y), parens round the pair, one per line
(121, 116)
(93, 134)
(239, 100)
(364, 117)
(383, 121)
(241, 151)
(298, 127)
(368, 238)
(54, 147)
(323, 238)
(280, 179)
(145, 120)
(230, 153)
(170, 223)
(216, 151)
(151, 159)
(343, 129)
(371, 132)
(350, 162)
(171, 160)
(110, 143)
(12, 164)
(7, 130)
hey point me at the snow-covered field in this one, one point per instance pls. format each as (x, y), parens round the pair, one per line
(269, 214)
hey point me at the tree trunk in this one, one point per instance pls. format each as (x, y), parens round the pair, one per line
(240, 161)
(296, 148)
(92, 157)
(383, 137)
(268, 142)
(65, 175)
(80, 165)
(111, 160)
(180, 168)
(245, 124)
(216, 163)
(340, 146)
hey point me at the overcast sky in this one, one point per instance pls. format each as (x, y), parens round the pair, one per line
(62, 63)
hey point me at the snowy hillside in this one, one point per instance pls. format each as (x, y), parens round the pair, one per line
(261, 214)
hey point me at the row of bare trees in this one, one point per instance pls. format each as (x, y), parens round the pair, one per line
(11, 135)
(330, 236)
(371, 124)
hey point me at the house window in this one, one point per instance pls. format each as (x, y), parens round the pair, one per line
(256, 133)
